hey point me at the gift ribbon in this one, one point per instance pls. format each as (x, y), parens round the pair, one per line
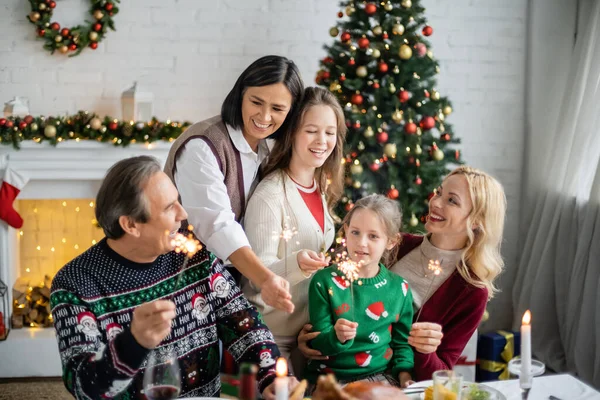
(506, 355)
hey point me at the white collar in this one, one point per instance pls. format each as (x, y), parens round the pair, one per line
(241, 144)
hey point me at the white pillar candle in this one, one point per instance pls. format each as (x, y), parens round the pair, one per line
(281, 382)
(526, 377)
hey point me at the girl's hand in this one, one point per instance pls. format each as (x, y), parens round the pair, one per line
(425, 337)
(269, 392)
(309, 261)
(345, 330)
(405, 379)
(304, 337)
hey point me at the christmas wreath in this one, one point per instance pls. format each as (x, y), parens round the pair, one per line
(77, 38)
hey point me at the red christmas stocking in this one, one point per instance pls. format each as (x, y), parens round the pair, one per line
(11, 186)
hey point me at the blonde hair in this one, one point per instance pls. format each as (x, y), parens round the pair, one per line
(389, 213)
(330, 175)
(481, 259)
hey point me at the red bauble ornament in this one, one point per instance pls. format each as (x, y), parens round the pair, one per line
(112, 126)
(108, 6)
(52, 4)
(325, 75)
(418, 162)
(351, 62)
(340, 14)
(65, 32)
(328, 60)
(363, 42)
(446, 137)
(427, 30)
(393, 193)
(385, 35)
(382, 137)
(383, 67)
(374, 167)
(426, 93)
(376, 85)
(9, 124)
(72, 47)
(357, 99)
(55, 26)
(97, 27)
(349, 206)
(346, 37)
(356, 125)
(22, 125)
(2, 121)
(456, 154)
(94, 45)
(411, 160)
(418, 181)
(427, 122)
(28, 119)
(370, 9)
(342, 78)
(403, 96)
(41, 32)
(410, 128)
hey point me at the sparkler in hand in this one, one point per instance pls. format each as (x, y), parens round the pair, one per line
(435, 267)
(188, 245)
(286, 234)
(350, 269)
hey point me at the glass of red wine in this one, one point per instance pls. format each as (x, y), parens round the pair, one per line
(161, 376)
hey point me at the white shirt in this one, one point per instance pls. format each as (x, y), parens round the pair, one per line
(201, 185)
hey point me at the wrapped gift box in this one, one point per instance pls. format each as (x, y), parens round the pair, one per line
(494, 351)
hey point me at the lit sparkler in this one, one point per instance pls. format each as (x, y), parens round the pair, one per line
(188, 245)
(350, 269)
(435, 267)
(287, 233)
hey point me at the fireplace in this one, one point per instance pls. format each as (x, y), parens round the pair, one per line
(57, 207)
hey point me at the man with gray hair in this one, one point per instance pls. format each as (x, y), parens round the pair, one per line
(122, 298)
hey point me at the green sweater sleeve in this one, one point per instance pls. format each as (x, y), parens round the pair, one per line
(403, 358)
(321, 318)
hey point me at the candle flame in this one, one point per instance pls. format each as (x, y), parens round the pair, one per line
(281, 368)
(527, 318)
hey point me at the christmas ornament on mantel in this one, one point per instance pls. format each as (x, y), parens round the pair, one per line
(87, 126)
(72, 40)
(381, 68)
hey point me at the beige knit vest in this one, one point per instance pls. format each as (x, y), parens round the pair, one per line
(214, 133)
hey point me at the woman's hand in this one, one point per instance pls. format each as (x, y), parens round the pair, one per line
(304, 337)
(275, 292)
(405, 379)
(269, 392)
(425, 337)
(345, 330)
(309, 261)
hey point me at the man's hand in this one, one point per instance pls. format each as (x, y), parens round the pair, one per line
(269, 392)
(310, 261)
(275, 292)
(425, 337)
(151, 322)
(306, 336)
(405, 379)
(345, 330)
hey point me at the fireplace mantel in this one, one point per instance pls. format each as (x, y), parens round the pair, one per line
(69, 170)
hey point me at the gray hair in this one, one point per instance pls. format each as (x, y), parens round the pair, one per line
(122, 194)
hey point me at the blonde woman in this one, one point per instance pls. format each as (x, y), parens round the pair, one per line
(303, 182)
(464, 232)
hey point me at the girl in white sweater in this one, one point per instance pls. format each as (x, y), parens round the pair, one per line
(303, 181)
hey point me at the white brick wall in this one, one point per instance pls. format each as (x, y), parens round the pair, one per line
(189, 53)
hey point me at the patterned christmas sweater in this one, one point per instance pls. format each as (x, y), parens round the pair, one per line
(93, 298)
(381, 305)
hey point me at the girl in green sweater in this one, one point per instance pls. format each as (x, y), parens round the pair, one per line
(364, 329)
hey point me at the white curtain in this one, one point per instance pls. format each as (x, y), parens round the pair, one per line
(558, 276)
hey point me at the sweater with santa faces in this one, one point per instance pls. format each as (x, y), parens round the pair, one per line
(382, 307)
(93, 298)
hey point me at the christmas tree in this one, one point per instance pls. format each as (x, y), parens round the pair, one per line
(383, 73)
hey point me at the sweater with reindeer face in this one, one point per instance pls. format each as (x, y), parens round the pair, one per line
(382, 307)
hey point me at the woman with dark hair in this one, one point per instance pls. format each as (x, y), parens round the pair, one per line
(214, 165)
(304, 180)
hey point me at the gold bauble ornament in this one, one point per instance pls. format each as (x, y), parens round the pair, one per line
(42, 6)
(447, 110)
(396, 70)
(414, 221)
(429, 53)
(356, 169)
(418, 150)
(361, 71)
(350, 10)
(93, 36)
(406, 3)
(33, 127)
(438, 155)
(356, 185)
(34, 16)
(63, 49)
(377, 30)
(96, 123)
(441, 116)
(369, 132)
(435, 95)
(376, 53)
(390, 150)
(335, 86)
(392, 88)
(50, 131)
(398, 29)
(98, 14)
(333, 32)
(397, 116)
(388, 6)
(405, 52)
(58, 39)
(103, 129)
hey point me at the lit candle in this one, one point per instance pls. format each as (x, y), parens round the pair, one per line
(281, 382)
(525, 377)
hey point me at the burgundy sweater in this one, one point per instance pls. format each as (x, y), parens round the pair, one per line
(457, 306)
